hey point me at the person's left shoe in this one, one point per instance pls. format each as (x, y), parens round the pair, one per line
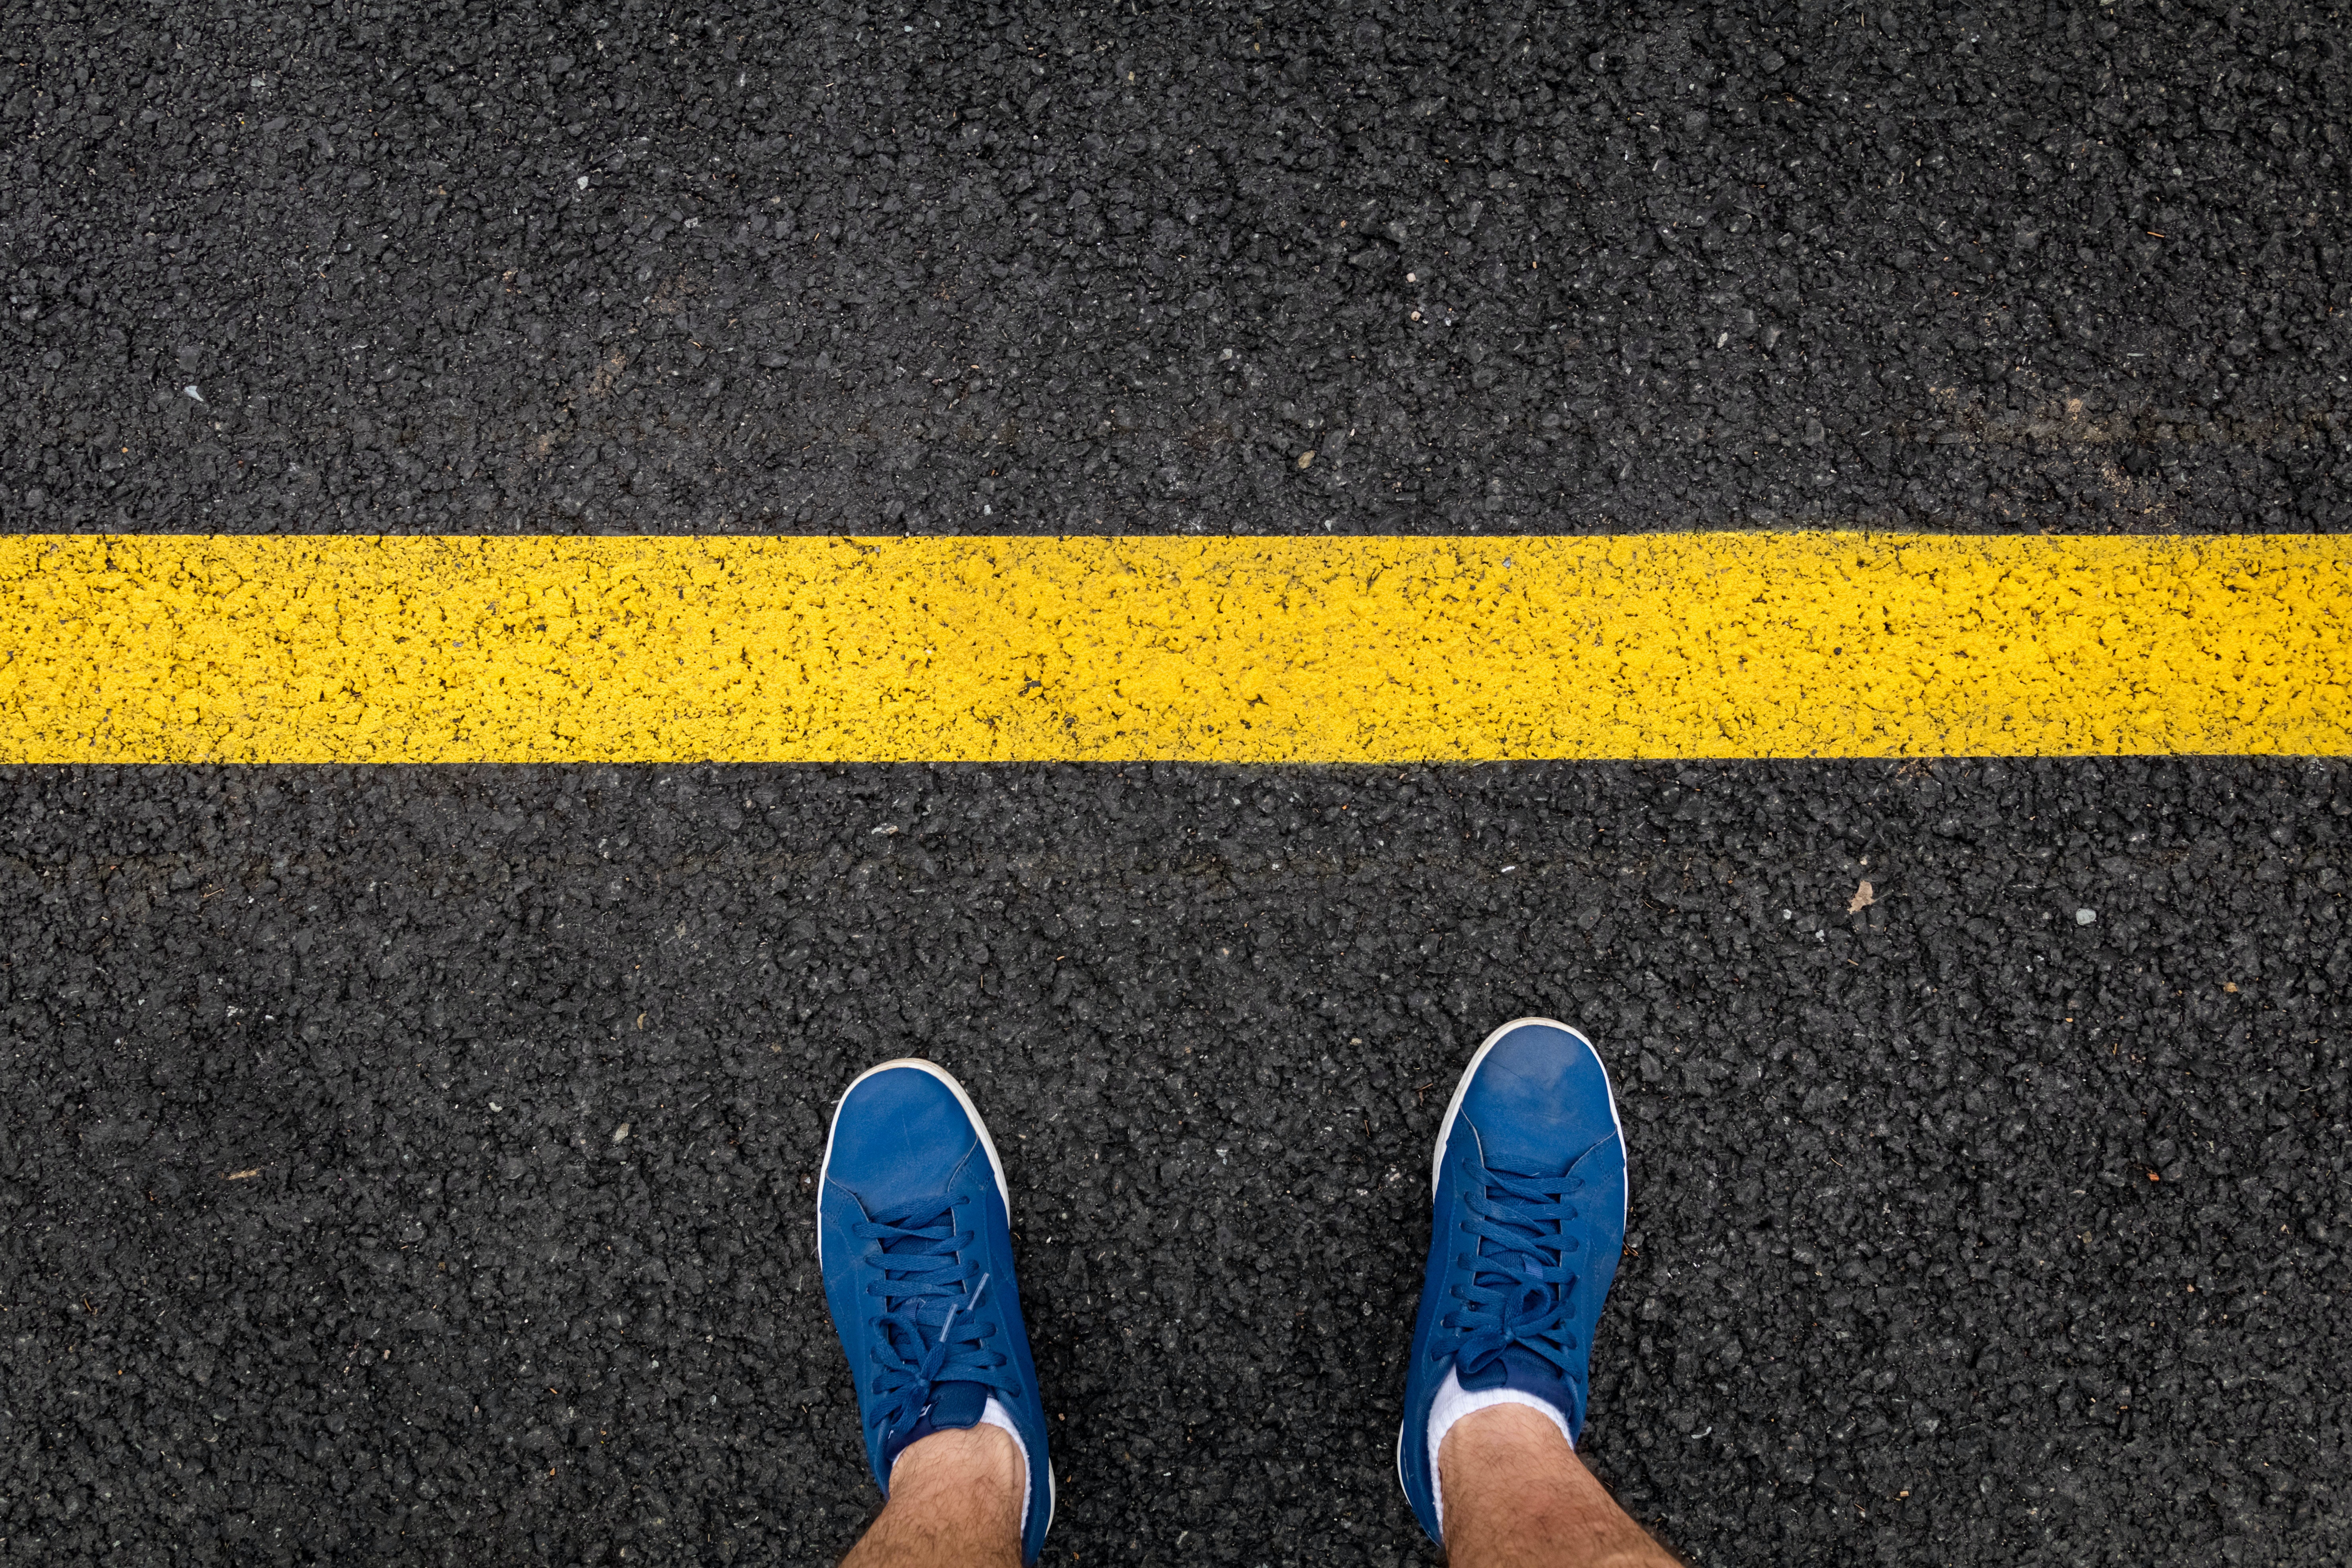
(914, 1239)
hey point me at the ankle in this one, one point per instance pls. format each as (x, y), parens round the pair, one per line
(955, 1496)
(980, 1463)
(1516, 1436)
(1516, 1494)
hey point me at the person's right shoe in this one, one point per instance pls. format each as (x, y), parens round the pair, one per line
(1529, 1189)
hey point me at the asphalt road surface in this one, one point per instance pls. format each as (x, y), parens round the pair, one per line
(413, 1165)
(416, 1166)
(963, 270)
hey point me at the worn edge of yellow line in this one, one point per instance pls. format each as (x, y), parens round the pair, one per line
(550, 648)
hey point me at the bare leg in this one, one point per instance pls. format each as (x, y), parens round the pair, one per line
(1517, 1496)
(955, 1503)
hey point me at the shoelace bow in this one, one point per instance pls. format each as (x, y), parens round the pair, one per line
(928, 1334)
(1519, 1289)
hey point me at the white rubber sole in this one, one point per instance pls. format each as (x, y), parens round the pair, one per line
(1445, 1134)
(995, 1164)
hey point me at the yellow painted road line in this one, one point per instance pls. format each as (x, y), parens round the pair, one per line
(169, 649)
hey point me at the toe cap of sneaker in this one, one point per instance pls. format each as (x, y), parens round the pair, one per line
(901, 1134)
(1540, 1099)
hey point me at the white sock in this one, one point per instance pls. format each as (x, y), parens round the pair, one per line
(1452, 1402)
(996, 1416)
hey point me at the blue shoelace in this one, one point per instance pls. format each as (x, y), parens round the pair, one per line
(927, 1333)
(1520, 1285)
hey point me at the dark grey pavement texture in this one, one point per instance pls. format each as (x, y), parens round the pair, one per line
(982, 268)
(320, 1235)
(414, 1166)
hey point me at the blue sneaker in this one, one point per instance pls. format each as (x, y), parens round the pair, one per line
(914, 1239)
(1530, 1181)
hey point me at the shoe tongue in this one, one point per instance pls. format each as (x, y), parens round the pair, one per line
(954, 1405)
(1523, 1370)
(926, 1260)
(1517, 1367)
(1536, 1228)
(929, 1215)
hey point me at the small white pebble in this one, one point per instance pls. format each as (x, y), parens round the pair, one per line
(584, 182)
(2085, 917)
(620, 1133)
